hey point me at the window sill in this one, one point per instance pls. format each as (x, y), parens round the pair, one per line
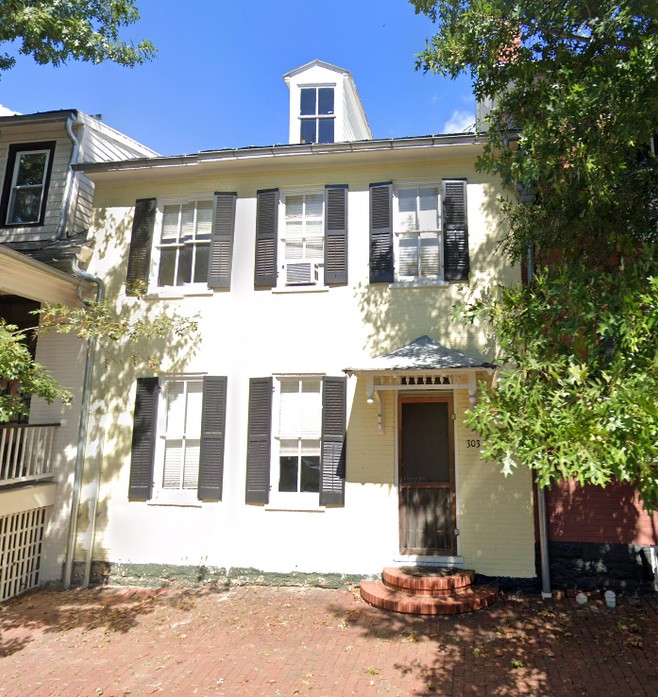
(179, 293)
(175, 498)
(300, 289)
(295, 508)
(420, 284)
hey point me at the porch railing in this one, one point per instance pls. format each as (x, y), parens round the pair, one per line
(26, 452)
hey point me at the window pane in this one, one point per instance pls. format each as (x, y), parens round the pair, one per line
(310, 425)
(187, 221)
(173, 464)
(184, 274)
(315, 248)
(429, 255)
(191, 465)
(428, 203)
(310, 474)
(170, 224)
(194, 407)
(308, 131)
(204, 220)
(307, 102)
(294, 209)
(326, 100)
(288, 473)
(167, 264)
(326, 131)
(408, 255)
(201, 263)
(31, 168)
(294, 249)
(314, 206)
(406, 210)
(26, 206)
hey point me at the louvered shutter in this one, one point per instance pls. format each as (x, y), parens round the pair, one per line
(381, 233)
(335, 239)
(259, 439)
(221, 241)
(456, 263)
(213, 429)
(141, 241)
(332, 475)
(266, 238)
(143, 442)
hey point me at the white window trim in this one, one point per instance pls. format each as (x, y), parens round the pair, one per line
(417, 281)
(282, 286)
(160, 495)
(173, 291)
(282, 500)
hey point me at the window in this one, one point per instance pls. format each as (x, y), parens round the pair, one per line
(303, 237)
(317, 115)
(184, 243)
(417, 230)
(26, 183)
(300, 430)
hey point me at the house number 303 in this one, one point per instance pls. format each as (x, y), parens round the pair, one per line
(473, 443)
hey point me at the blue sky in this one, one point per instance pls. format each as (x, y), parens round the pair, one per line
(217, 79)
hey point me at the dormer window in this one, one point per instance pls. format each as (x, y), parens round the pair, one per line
(317, 115)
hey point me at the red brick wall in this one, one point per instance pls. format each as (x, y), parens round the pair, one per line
(593, 514)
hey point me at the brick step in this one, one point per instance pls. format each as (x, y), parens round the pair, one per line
(426, 580)
(466, 599)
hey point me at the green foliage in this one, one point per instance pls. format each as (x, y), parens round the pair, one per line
(21, 376)
(576, 395)
(55, 31)
(574, 92)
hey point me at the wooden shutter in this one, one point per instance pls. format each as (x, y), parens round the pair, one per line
(259, 439)
(332, 475)
(141, 242)
(456, 263)
(266, 238)
(381, 233)
(143, 443)
(213, 429)
(221, 241)
(335, 238)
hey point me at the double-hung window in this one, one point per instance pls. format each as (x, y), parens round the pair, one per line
(184, 242)
(417, 228)
(317, 115)
(26, 184)
(303, 236)
(300, 430)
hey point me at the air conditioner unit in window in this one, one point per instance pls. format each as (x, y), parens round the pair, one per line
(302, 273)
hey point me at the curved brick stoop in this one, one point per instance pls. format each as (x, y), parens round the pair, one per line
(421, 590)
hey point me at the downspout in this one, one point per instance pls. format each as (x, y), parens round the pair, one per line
(541, 491)
(68, 189)
(82, 445)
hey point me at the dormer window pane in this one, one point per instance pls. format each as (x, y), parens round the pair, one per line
(316, 109)
(326, 100)
(326, 131)
(307, 107)
(308, 131)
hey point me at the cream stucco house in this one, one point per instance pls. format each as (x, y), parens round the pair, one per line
(316, 424)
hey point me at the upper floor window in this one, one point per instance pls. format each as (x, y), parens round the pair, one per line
(317, 115)
(184, 243)
(303, 236)
(26, 183)
(417, 230)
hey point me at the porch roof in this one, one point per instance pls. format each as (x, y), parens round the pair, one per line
(421, 354)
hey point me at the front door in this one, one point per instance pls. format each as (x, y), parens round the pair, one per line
(427, 476)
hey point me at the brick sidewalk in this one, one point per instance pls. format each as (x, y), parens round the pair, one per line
(307, 641)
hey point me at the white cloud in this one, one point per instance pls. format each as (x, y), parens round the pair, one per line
(460, 122)
(4, 111)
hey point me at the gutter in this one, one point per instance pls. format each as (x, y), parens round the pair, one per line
(82, 446)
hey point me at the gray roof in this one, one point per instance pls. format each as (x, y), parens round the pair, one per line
(421, 354)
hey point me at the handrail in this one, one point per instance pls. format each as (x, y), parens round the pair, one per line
(26, 452)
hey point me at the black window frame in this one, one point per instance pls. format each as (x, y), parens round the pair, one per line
(13, 152)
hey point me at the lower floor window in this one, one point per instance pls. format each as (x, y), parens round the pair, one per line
(299, 465)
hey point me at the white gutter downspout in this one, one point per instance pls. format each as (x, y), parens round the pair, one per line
(82, 446)
(68, 189)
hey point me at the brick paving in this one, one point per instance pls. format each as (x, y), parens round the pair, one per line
(256, 641)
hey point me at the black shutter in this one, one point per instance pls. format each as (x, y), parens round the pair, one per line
(266, 238)
(259, 438)
(381, 233)
(456, 263)
(332, 475)
(221, 241)
(143, 443)
(213, 429)
(141, 241)
(335, 238)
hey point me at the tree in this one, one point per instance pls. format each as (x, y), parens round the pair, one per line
(574, 92)
(56, 31)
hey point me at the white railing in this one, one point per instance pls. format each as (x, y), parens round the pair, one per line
(25, 452)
